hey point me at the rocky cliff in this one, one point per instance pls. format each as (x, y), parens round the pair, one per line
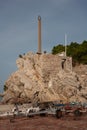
(45, 77)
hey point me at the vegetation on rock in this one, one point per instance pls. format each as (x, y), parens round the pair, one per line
(5, 87)
(76, 50)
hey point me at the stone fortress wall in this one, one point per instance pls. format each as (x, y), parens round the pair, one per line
(55, 63)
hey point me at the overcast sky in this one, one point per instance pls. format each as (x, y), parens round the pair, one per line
(18, 28)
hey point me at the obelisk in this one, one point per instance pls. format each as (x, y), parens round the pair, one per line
(39, 35)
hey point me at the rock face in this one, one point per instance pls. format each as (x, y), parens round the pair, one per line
(45, 77)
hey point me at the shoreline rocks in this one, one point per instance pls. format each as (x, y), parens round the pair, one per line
(43, 78)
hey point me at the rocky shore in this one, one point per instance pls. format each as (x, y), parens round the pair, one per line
(46, 77)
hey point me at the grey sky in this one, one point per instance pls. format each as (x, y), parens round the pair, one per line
(18, 28)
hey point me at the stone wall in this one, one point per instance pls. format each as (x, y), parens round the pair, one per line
(54, 63)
